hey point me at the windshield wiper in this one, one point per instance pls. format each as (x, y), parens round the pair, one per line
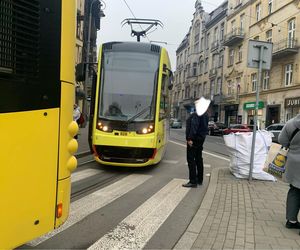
(138, 114)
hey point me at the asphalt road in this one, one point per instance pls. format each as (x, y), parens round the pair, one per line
(133, 207)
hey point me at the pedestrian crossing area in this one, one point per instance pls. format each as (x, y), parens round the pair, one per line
(137, 228)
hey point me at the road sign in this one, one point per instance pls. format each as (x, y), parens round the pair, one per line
(254, 54)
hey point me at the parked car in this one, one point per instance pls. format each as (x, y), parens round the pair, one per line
(215, 128)
(237, 128)
(176, 124)
(275, 129)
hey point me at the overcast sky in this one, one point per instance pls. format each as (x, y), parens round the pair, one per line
(176, 16)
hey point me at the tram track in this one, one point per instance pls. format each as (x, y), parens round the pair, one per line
(206, 148)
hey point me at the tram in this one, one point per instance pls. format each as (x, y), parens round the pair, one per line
(130, 104)
(37, 94)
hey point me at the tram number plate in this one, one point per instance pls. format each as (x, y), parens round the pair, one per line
(123, 133)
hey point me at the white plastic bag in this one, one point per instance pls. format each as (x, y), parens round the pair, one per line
(239, 146)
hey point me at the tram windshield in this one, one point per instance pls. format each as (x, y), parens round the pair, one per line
(128, 86)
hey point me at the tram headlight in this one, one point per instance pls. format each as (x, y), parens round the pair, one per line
(146, 129)
(104, 127)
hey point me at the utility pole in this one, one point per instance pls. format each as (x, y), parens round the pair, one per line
(87, 62)
(259, 56)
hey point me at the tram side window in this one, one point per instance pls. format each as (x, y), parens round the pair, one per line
(164, 98)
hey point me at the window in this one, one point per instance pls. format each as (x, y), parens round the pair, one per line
(212, 88)
(214, 62)
(254, 81)
(258, 11)
(222, 31)
(216, 34)
(231, 57)
(291, 33)
(187, 92)
(288, 74)
(194, 69)
(218, 86)
(242, 19)
(197, 31)
(164, 97)
(207, 41)
(270, 6)
(238, 84)
(79, 28)
(221, 59)
(196, 47)
(269, 36)
(232, 26)
(240, 53)
(202, 44)
(201, 67)
(206, 65)
(266, 80)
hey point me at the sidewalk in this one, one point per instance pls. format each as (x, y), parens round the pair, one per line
(238, 214)
(235, 213)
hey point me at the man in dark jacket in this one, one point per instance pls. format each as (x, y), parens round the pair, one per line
(196, 131)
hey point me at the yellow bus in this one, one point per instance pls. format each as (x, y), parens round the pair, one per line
(37, 93)
(130, 104)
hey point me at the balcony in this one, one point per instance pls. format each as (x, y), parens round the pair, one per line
(285, 48)
(234, 37)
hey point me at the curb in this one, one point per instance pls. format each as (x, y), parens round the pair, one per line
(190, 235)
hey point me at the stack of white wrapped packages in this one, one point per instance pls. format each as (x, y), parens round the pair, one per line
(239, 146)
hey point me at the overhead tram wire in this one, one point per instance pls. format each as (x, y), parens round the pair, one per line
(135, 18)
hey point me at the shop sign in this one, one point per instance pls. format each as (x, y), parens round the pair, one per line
(292, 102)
(251, 105)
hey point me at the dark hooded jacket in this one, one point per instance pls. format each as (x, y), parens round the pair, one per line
(196, 126)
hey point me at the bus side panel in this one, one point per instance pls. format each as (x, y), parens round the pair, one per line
(28, 176)
(68, 41)
(67, 147)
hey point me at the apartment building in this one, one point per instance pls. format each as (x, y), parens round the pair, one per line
(277, 22)
(212, 62)
(200, 59)
(79, 46)
(235, 59)
(187, 87)
(212, 59)
(272, 21)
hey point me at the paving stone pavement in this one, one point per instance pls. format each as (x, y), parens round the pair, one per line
(238, 214)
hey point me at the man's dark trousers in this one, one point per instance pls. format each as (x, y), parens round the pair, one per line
(195, 160)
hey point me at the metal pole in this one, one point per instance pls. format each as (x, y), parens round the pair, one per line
(261, 54)
(87, 60)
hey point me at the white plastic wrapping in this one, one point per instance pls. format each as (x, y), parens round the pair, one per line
(239, 146)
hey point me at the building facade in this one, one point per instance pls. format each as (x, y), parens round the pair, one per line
(79, 47)
(219, 70)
